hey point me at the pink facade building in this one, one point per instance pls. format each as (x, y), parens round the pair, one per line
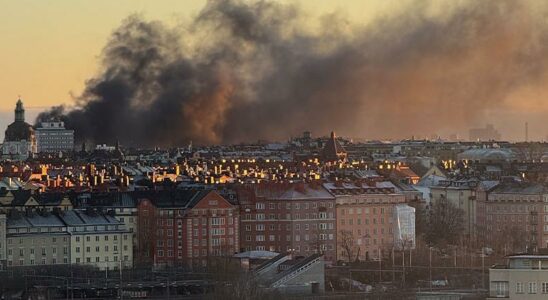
(366, 219)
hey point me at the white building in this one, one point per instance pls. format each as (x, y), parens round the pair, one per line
(98, 240)
(404, 226)
(54, 137)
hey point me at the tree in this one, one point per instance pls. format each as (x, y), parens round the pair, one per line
(346, 242)
(445, 224)
(508, 239)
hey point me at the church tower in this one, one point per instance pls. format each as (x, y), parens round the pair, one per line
(19, 111)
(19, 138)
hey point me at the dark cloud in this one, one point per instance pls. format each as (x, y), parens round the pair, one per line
(245, 71)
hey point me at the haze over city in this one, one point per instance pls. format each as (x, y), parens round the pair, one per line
(263, 149)
(234, 71)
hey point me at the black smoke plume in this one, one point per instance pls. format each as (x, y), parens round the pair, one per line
(244, 71)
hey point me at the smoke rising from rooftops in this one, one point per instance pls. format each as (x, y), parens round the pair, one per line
(244, 71)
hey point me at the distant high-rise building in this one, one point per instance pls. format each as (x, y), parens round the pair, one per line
(19, 140)
(54, 137)
(489, 133)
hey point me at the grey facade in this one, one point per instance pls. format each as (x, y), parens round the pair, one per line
(523, 277)
(53, 137)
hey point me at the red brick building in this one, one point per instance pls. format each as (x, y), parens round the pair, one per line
(186, 228)
(281, 217)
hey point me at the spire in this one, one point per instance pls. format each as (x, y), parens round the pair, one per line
(19, 111)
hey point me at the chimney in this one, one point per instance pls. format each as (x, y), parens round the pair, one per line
(299, 187)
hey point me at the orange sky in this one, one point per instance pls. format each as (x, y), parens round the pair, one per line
(50, 47)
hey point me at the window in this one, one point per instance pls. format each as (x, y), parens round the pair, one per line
(532, 288)
(519, 288)
(545, 287)
(217, 221)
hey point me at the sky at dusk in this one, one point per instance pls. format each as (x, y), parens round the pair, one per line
(49, 49)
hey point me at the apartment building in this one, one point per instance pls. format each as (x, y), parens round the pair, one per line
(298, 217)
(517, 210)
(462, 194)
(36, 239)
(98, 240)
(366, 218)
(183, 227)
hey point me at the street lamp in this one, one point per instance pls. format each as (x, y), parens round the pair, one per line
(430, 268)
